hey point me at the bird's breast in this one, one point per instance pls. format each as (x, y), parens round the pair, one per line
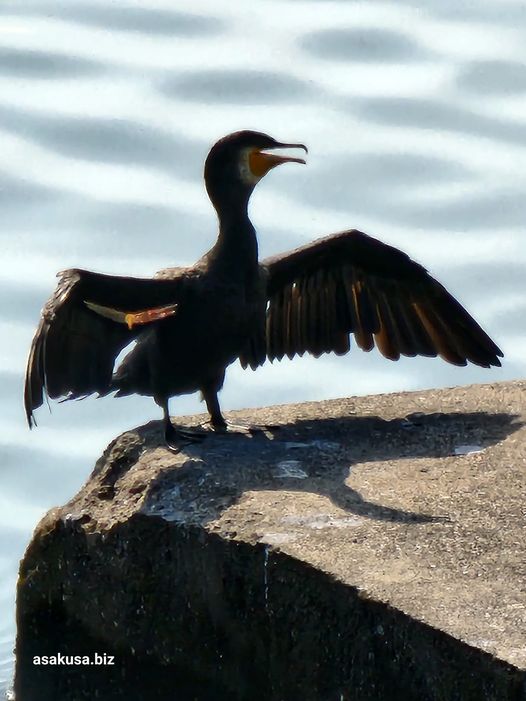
(214, 323)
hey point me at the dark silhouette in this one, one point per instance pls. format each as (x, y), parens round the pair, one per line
(191, 323)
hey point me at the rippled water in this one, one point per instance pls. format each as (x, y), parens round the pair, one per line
(415, 115)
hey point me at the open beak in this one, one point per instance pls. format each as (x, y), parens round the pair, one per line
(262, 161)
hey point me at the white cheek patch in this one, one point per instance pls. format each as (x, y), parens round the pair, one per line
(246, 175)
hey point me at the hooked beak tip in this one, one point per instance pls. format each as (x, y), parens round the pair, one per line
(302, 146)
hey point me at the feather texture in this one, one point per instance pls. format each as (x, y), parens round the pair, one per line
(352, 284)
(74, 348)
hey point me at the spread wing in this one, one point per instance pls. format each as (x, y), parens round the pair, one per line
(85, 324)
(351, 283)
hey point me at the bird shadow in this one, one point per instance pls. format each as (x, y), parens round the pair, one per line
(314, 456)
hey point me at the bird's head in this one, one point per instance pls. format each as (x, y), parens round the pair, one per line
(237, 162)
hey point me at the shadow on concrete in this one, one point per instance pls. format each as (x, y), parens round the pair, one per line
(312, 456)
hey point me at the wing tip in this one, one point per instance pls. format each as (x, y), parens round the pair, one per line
(35, 378)
(495, 362)
(30, 405)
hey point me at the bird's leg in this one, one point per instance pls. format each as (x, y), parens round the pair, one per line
(177, 438)
(217, 420)
(219, 424)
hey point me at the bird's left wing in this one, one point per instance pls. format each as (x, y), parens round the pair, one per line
(350, 283)
(84, 325)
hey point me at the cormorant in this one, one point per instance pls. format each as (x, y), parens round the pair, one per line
(191, 323)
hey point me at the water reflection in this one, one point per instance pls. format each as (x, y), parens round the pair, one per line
(15, 192)
(146, 20)
(439, 116)
(364, 44)
(26, 485)
(351, 179)
(120, 228)
(471, 211)
(493, 77)
(103, 140)
(505, 13)
(25, 63)
(234, 87)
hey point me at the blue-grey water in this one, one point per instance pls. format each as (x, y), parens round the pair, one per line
(415, 116)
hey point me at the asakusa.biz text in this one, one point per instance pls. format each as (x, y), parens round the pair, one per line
(72, 660)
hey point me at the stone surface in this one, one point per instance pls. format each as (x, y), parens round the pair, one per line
(369, 548)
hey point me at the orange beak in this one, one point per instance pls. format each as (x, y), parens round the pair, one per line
(261, 162)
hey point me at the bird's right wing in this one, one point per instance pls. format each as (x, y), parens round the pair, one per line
(88, 320)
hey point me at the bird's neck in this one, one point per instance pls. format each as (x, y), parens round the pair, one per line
(237, 242)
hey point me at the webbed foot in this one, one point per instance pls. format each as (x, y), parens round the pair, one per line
(178, 438)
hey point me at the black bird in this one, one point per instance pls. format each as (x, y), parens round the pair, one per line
(191, 323)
